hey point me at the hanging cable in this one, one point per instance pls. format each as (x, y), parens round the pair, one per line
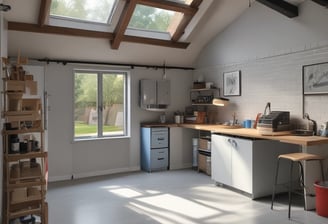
(164, 71)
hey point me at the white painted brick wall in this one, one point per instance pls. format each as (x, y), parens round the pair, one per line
(276, 79)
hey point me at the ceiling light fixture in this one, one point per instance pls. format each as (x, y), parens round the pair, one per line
(4, 8)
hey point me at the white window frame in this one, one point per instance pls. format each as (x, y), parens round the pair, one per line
(127, 104)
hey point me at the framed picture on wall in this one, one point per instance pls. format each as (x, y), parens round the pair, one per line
(232, 83)
(315, 79)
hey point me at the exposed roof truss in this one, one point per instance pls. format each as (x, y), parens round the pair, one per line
(119, 34)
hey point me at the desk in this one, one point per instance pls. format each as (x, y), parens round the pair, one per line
(310, 144)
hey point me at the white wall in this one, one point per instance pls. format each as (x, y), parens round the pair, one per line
(270, 50)
(3, 53)
(88, 158)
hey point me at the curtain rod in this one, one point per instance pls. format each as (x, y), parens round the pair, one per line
(132, 66)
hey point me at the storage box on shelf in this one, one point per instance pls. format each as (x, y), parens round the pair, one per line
(24, 168)
(204, 152)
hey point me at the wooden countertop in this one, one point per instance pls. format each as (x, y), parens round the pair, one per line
(253, 133)
(247, 132)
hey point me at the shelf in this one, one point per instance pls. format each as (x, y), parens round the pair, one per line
(25, 195)
(24, 156)
(17, 214)
(204, 150)
(22, 131)
(203, 97)
(201, 104)
(11, 116)
(24, 171)
(41, 182)
(204, 89)
(29, 155)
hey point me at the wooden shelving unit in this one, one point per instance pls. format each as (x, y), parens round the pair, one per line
(24, 155)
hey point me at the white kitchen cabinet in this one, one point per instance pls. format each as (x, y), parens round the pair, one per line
(163, 92)
(154, 94)
(232, 162)
(248, 165)
(148, 92)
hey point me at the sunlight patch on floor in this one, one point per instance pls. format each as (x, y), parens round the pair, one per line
(125, 192)
(178, 205)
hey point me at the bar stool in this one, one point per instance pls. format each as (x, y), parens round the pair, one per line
(299, 158)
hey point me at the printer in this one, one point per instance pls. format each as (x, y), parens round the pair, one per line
(275, 121)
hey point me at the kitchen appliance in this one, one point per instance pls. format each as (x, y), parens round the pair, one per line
(275, 121)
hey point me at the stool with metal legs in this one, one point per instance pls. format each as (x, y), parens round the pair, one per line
(299, 158)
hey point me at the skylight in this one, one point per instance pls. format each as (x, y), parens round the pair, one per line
(165, 23)
(154, 19)
(98, 11)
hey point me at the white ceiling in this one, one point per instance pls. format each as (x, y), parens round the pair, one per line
(219, 15)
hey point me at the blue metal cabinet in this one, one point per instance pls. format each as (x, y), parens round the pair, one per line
(154, 148)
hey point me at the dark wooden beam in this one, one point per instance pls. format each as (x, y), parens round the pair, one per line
(157, 42)
(185, 21)
(123, 23)
(322, 2)
(169, 5)
(281, 6)
(26, 27)
(44, 12)
(46, 29)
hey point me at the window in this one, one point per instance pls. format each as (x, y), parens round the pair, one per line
(165, 23)
(100, 104)
(99, 11)
(154, 19)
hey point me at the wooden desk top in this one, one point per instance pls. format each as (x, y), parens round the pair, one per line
(247, 132)
(253, 133)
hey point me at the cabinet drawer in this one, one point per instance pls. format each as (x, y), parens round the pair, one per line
(159, 159)
(159, 138)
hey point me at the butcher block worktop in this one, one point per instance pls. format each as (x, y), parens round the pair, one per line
(285, 137)
(253, 133)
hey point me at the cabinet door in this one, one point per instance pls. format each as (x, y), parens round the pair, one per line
(148, 92)
(221, 159)
(163, 92)
(241, 160)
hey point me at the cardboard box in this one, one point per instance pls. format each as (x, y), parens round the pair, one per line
(204, 144)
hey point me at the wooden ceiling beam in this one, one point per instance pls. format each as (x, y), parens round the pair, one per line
(157, 42)
(44, 12)
(185, 21)
(321, 2)
(26, 27)
(123, 23)
(282, 7)
(46, 29)
(169, 5)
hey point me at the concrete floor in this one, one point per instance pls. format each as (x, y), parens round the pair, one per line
(170, 197)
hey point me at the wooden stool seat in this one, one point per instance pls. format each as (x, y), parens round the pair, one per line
(295, 158)
(301, 156)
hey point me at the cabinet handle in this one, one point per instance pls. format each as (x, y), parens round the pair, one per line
(160, 158)
(160, 139)
(234, 144)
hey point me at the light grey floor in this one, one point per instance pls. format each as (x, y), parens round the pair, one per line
(170, 197)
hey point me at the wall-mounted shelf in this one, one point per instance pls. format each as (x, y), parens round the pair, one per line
(203, 97)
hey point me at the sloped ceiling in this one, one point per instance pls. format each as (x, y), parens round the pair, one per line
(36, 45)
